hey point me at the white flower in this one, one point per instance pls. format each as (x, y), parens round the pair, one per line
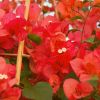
(3, 76)
(60, 51)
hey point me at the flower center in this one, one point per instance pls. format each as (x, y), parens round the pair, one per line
(17, 16)
(3, 76)
(62, 50)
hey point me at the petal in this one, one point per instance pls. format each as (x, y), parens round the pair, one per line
(77, 65)
(11, 94)
(85, 89)
(2, 65)
(69, 87)
(3, 35)
(54, 82)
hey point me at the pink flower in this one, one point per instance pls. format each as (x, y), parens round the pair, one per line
(98, 35)
(63, 52)
(16, 27)
(11, 94)
(54, 82)
(75, 90)
(34, 12)
(87, 67)
(7, 81)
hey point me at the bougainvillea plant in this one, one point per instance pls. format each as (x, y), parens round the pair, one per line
(49, 49)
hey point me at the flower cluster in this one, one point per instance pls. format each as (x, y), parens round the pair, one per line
(63, 50)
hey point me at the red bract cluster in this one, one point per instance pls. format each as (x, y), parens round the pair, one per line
(7, 82)
(62, 50)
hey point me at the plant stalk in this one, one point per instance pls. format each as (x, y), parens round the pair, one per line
(21, 46)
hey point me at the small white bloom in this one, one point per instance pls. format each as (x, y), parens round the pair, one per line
(47, 4)
(50, 21)
(98, 24)
(67, 39)
(10, 0)
(64, 49)
(72, 41)
(60, 51)
(1, 0)
(70, 27)
(3, 76)
(17, 16)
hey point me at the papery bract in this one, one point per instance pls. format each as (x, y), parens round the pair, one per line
(98, 34)
(16, 27)
(87, 67)
(7, 81)
(11, 94)
(33, 17)
(76, 90)
(54, 82)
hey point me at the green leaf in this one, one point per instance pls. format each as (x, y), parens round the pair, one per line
(94, 81)
(85, 9)
(71, 75)
(76, 17)
(90, 0)
(7, 61)
(85, 1)
(97, 97)
(40, 91)
(35, 38)
(26, 71)
(90, 40)
(61, 94)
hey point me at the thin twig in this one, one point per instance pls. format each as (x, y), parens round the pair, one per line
(56, 11)
(78, 12)
(42, 4)
(84, 25)
(14, 55)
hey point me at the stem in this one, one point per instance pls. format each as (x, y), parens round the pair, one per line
(84, 26)
(42, 2)
(21, 47)
(14, 55)
(77, 12)
(56, 11)
(81, 41)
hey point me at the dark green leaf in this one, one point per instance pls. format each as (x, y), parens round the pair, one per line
(85, 1)
(97, 97)
(61, 94)
(40, 91)
(76, 17)
(26, 71)
(35, 38)
(90, 40)
(93, 32)
(7, 61)
(94, 81)
(72, 75)
(85, 9)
